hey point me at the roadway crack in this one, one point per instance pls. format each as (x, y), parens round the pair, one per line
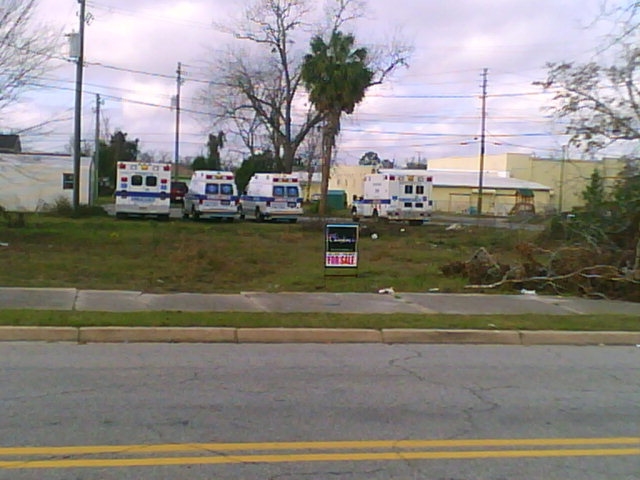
(324, 474)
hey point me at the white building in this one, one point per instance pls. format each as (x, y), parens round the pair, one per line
(31, 182)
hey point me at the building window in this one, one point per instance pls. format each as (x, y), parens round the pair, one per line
(67, 181)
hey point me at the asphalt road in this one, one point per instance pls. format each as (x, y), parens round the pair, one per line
(407, 412)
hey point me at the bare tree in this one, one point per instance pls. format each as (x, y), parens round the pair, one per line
(258, 89)
(25, 49)
(600, 100)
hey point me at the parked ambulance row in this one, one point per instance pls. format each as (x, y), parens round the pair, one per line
(144, 189)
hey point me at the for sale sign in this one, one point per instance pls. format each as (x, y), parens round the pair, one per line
(341, 246)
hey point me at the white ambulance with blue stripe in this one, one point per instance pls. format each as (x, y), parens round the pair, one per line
(211, 194)
(272, 196)
(143, 189)
(393, 194)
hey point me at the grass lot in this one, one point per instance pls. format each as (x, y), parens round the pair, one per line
(320, 320)
(211, 257)
(208, 257)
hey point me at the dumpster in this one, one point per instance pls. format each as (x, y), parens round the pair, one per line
(337, 199)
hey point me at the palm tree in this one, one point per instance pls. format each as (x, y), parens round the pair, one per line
(336, 77)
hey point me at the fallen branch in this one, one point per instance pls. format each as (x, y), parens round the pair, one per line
(547, 279)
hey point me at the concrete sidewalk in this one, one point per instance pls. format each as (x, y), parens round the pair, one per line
(70, 299)
(427, 303)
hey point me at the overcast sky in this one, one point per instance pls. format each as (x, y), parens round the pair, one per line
(430, 110)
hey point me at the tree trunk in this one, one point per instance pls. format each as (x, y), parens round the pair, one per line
(288, 157)
(636, 265)
(327, 150)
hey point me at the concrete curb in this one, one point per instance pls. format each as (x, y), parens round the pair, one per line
(38, 334)
(549, 337)
(308, 335)
(157, 335)
(493, 337)
(312, 335)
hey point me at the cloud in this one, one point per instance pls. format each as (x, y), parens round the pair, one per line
(432, 109)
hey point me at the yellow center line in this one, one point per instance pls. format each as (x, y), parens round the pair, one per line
(321, 445)
(316, 457)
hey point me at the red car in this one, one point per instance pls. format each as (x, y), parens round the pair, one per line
(178, 191)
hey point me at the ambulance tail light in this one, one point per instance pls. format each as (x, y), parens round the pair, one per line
(163, 181)
(429, 179)
(209, 177)
(122, 166)
(123, 179)
(167, 168)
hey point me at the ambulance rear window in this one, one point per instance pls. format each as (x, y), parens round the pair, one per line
(292, 192)
(216, 188)
(278, 191)
(139, 180)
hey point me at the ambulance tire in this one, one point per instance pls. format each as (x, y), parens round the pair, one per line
(121, 215)
(259, 216)
(195, 214)
(240, 213)
(163, 217)
(374, 215)
(185, 214)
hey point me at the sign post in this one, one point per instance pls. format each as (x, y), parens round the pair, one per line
(341, 248)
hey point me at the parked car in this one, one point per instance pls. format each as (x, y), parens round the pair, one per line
(178, 191)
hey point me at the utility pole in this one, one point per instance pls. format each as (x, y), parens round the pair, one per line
(177, 143)
(77, 131)
(96, 153)
(482, 139)
(561, 186)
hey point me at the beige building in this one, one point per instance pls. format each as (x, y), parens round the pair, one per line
(508, 179)
(567, 179)
(458, 192)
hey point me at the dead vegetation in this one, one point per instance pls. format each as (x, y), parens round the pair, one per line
(587, 270)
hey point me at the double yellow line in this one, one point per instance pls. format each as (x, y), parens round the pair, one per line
(104, 456)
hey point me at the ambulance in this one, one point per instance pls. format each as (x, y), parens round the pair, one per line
(211, 194)
(272, 196)
(143, 189)
(398, 195)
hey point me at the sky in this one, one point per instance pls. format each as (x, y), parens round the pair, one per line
(431, 109)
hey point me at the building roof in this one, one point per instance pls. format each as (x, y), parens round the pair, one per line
(463, 178)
